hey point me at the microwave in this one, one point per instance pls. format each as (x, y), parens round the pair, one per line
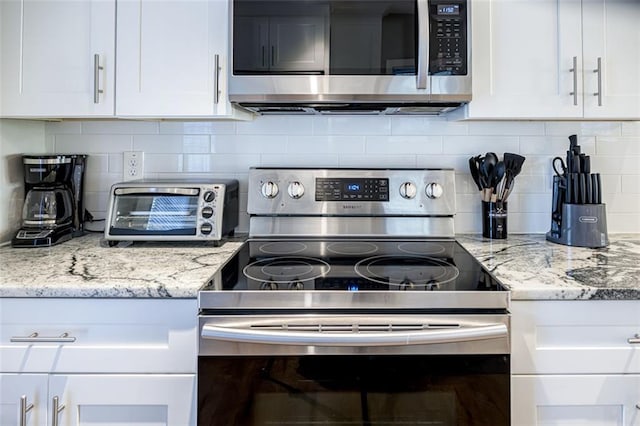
(172, 210)
(350, 56)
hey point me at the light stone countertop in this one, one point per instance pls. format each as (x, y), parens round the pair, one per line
(88, 267)
(530, 267)
(535, 269)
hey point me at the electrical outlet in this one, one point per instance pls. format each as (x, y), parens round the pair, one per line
(133, 167)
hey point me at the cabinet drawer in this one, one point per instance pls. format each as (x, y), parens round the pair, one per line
(98, 335)
(574, 337)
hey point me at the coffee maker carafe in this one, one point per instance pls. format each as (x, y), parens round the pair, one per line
(53, 210)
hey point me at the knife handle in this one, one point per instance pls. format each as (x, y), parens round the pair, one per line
(599, 191)
(568, 193)
(576, 164)
(585, 163)
(587, 188)
(575, 178)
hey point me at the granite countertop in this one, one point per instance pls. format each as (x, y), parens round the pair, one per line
(88, 267)
(535, 269)
(530, 267)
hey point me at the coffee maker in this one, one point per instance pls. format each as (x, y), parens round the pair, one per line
(53, 210)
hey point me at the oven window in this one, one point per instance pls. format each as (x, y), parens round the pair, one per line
(354, 390)
(338, 37)
(154, 214)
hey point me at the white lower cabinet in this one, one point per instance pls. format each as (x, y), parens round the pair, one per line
(575, 363)
(100, 362)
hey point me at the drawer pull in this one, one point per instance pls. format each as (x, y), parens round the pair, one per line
(635, 340)
(24, 409)
(36, 338)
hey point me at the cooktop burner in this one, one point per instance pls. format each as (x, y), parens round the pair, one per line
(353, 266)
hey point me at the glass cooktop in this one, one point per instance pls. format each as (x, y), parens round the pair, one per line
(353, 266)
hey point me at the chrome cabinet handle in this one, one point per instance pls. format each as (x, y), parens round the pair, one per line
(96, 79)
(24, 409)
(36, 338)
(216, 79)
(635, 340)
(284, 337)
(598, 70)
(574, 70)
(55, 410)
(423, 44)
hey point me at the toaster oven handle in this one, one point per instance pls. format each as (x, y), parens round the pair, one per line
(323, 338)
(423, 44)
(156, 190)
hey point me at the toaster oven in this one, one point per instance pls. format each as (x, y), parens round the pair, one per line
(172, 210)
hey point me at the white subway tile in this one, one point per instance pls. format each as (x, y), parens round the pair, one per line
(381, 161)
(276, 125)
(631, 184)
(119, 127)
(468, 223)
(98, 163)
(474, 145)
(230, 163)
(535, 203)
(116, 163)
(352, 125)
(326, 144)
(469, 203)
(630, 128)
(89, 144)
(529, 184)
(528, 223)
(622, 202)
(403, 144)
(294, 160)
(619, 146)
(96, 182)
(458, 162)
(615, 165)
(582, 128)
(465, 184)
(506, 128)
(416, 125)
(248, 144)
(163, 163)
(610, 183)
(541, 145)
(60, 127)
(197, 127)
(197, 163)
(96, 202)
(622, 222)
(168, 144)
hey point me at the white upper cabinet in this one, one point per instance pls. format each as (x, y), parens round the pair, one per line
(172, 58)
(536, 59)
(57, 58)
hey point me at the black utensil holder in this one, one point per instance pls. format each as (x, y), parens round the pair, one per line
(494, 220)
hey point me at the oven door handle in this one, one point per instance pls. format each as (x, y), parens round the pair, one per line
(327, 338)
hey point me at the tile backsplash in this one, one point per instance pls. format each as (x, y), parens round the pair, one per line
(228, 149)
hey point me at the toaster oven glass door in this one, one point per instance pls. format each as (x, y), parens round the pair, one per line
(154, 214)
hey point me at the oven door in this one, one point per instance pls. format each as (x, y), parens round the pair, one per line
(354, 370)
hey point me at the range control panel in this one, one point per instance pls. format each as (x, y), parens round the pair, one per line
(448, 37)
(352, 189)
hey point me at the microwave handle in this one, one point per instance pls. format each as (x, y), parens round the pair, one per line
(423, 44)
(317, 338)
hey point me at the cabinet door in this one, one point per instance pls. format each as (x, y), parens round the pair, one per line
(523, 53)
(31, 387)
(297, 43)
(595, 400)
(251, 44)
(116, 400)
(167, 54)
(612, 33)
(48, 58)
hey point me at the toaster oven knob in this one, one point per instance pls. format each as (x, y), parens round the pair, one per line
(408, 190)
(206, 228)
(296, 190)
(207, 212)
(269, 189)
(433, 190)
(209, 196)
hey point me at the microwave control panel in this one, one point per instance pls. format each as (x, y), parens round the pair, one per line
(448, 38)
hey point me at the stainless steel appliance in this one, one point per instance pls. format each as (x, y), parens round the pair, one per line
(53, 210)
(172, 210)
(352, 303)
(350, 56)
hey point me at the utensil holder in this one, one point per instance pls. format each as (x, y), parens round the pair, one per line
(494, 220)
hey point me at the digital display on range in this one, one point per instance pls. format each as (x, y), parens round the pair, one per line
(352, 189)
(448, 9)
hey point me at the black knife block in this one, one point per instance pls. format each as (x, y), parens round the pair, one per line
(580, 225)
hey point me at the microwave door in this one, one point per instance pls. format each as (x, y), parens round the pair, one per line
(423, 44)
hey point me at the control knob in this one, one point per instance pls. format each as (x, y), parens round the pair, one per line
(296, 190)
(408, 190)
(270, 189)
(206, 228)
(433, 190)
(207, 212)
(209, 196)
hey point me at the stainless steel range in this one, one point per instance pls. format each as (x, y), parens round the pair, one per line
(352, 303)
